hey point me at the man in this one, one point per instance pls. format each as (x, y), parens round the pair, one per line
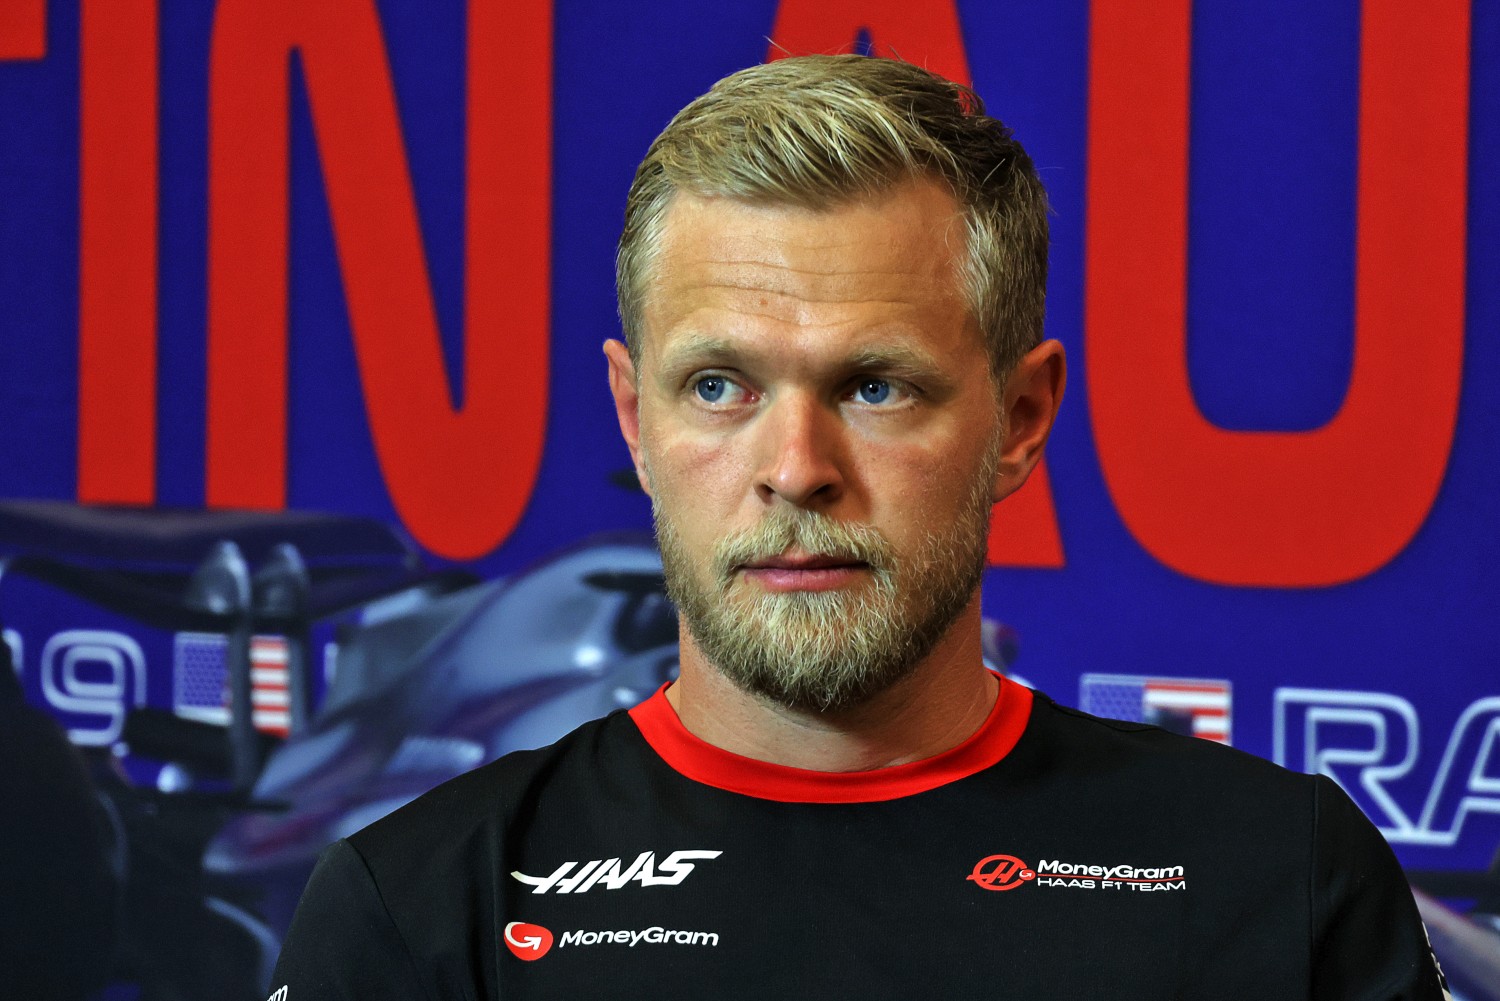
(831, 285)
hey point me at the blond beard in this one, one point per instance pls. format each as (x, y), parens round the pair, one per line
(827, 650)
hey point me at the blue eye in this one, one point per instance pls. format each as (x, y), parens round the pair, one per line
(874, 391)
(710, 389)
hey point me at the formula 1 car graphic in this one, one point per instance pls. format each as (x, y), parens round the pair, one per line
(130, 851)
(437, 672)
(446, 684)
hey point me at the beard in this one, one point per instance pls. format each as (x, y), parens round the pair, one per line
(832, 650)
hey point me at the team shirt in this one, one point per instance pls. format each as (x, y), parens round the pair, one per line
(1053, 854)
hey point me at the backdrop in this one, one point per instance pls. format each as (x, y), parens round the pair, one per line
(356, 256)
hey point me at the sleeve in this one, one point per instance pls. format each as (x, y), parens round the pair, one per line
(1368, 942)
(343, 944)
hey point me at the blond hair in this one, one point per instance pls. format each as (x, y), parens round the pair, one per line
(820, 131)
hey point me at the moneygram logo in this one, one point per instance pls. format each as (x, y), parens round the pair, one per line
(531, 942)
(655, 935)
(1000, 872)
(526, 941)
(1006, 872)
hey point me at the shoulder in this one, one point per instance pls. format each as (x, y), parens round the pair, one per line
(1164, 771)
(464, 821)
(1279, 863)
(410, 901)
(1129, 744)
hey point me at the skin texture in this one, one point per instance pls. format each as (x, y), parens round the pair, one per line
(796, 310)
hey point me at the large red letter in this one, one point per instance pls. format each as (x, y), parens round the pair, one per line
(1023, 531)
(23, 30)
(1269, 508)
(117, 249)
(460, 477)
(926, 34)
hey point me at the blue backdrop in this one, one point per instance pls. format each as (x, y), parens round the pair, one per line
(1387, 680)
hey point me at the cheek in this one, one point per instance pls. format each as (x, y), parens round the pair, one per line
(915, 491)
(694, 472)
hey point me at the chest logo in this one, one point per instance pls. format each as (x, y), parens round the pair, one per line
(614, 873)
(526, 941)
(1006, 872)
(1000, 872)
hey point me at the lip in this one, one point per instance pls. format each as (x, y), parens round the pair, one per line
(799, 562)
(803, 572)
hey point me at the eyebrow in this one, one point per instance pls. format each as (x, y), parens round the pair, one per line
(694, 351)
(698, 345)
(893, 358)
(697, 348)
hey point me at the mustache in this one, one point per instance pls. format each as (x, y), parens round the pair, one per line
(812, 532)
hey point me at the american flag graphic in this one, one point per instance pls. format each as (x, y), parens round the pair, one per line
(201, 688)
(1187, 705)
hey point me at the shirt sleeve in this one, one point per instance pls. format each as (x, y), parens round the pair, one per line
(343, 944)
(1368, 942)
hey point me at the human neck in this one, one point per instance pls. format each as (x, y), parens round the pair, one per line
(938, 706)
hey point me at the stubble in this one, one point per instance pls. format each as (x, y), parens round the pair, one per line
(826, 650)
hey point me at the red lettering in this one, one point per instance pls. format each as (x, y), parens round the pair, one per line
(926, 34)
(1023, 531)
(117, 250)
(459, 477)
(23, 29)
(1278, 509)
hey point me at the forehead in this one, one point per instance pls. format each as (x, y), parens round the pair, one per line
(884, 266)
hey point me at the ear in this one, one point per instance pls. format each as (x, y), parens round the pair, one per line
(626, 390)
(1030, 398)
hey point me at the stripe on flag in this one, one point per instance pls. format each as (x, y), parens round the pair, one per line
(269, 694)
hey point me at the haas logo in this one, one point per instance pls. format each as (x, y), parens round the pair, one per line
(614, 873)
(526, 941)
(1000, 872)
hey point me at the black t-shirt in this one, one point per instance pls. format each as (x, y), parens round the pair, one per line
(1051, 855)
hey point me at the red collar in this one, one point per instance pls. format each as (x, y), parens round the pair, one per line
(703, 762)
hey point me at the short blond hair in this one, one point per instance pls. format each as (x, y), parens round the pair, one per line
(820, 131)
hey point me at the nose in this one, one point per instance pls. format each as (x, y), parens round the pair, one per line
(800, 453)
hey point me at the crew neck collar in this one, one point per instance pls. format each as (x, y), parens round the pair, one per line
(696, 759)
